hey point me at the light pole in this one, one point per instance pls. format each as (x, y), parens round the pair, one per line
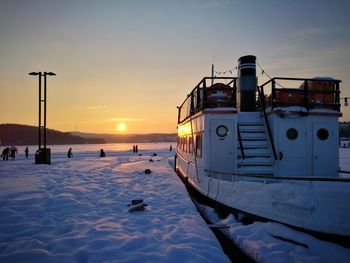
(43, 155)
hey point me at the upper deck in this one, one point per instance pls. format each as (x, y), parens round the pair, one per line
(210, 92)
(307, 93)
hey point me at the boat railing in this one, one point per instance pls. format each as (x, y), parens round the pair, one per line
(262, 106)
(315, 93)
(210, 92)
(281, 178)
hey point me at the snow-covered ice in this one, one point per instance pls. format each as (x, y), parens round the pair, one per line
(267, 242)
(75, 210)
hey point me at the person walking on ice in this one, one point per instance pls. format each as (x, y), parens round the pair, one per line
(5, 154)
(26, 152)
(69, 153)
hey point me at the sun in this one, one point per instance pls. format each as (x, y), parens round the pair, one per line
(121, 127)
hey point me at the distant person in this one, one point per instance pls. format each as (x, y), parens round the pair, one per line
(5, 154)
(13, 152)
(69, 153)
(102, 153)
(136, 148)
(26, 152)
(170, 148)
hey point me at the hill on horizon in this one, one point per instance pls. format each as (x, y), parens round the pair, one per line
(20, 134)
(130, 138)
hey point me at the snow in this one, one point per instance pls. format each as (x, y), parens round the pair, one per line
(274, 242)
(76, 210)
(287, 109)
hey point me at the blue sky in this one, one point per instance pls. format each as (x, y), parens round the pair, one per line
(136, 60)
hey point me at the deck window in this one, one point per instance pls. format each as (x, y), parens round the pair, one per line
(198, 145)
(190, 144)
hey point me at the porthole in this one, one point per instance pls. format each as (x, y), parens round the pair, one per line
(222, 131)
(322, 134)
(292, 134)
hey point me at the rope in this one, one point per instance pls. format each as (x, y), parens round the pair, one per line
(264, 72)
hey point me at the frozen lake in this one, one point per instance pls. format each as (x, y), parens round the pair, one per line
(76, 210)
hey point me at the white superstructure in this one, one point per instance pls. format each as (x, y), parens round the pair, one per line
(273, 156)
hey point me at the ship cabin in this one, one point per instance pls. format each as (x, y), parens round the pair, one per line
(287, 127)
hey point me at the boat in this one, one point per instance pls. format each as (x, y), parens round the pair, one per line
(271, 151)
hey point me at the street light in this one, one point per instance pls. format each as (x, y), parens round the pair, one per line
(43, 155)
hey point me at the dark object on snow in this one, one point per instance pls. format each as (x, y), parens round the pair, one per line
(43, 156)
(69, 153)
(154, 154)
(136, 202)
(5, 154)
(151, 160)
(102, 153)
(140, 154)
(147, 171)
(137, 205)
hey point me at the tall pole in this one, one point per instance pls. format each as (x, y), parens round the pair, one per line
(39, 133)
(44, 110)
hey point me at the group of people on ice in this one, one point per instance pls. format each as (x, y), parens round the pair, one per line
(12, 152)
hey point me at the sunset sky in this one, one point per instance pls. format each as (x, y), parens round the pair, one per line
(129, 62)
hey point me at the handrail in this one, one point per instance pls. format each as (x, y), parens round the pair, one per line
(307, 79)
(197, 100)
(263, 110)
(291, 178)
(307, 93)
(240, 141)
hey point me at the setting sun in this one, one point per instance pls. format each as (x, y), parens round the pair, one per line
(121, 127)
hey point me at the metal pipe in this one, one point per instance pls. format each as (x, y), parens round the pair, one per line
(39, 126)
(44, 110)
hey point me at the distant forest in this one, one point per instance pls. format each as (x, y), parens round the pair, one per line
(18, 134)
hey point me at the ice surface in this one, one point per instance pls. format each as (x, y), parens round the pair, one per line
(76, 210)
(274, 242)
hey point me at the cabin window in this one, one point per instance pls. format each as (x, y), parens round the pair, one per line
(190, 144)
(199, 145)
(322, 134)
(292, 134)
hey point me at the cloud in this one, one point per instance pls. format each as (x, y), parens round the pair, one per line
(309, 32)
(125, 119)
(98, 107)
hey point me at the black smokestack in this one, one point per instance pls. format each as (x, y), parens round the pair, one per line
(247, 82)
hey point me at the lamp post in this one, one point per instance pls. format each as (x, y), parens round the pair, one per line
(43, 155)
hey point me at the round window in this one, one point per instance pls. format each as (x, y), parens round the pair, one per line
(292, 134)
(322, 134)
(222, 131)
